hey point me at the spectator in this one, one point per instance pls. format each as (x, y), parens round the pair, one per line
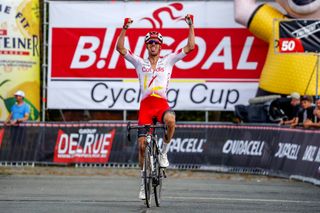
(19, 111)
(316, 112)
(306, 112)
(285, 109)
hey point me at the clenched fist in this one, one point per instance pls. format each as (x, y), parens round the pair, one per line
(127, 22)
(189, 19)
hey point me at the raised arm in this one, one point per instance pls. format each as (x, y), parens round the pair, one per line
(120, 44)
(191, 41)
(243, 10)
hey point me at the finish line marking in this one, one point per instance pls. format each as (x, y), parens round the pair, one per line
(25, 200)
(240, 199)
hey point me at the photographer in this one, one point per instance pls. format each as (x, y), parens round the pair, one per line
(285, 110)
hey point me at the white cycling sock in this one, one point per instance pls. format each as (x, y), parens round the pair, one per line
(165, 147)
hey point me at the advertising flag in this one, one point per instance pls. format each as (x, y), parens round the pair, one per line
(19, 55)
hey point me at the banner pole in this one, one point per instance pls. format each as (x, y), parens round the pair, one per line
(207, 116)
(125, 115)
(317, 78)
(44, 60)
(317, 82)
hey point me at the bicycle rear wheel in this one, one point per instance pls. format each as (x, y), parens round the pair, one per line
(147, 174)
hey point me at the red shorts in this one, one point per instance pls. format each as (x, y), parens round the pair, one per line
(152, 107)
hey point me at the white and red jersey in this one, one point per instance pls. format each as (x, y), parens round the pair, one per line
(154, 82)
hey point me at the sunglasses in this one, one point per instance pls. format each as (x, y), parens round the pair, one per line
(153, 42)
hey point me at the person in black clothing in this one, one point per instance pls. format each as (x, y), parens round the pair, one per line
(316, 112)
(306, 112)
(285, 110)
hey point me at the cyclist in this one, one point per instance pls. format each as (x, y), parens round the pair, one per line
(154, 75)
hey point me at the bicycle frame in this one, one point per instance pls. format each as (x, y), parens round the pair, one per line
(153, 173)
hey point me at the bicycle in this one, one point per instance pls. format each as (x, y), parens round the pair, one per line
(152, 172)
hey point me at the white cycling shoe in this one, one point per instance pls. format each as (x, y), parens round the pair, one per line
(163, 160)
(142, 194)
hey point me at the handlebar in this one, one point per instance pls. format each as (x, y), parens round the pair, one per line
(147, 127)
(162, 126)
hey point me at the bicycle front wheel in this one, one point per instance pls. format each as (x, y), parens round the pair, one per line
(147, 174)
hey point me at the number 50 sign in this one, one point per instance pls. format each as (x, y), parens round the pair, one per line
(299, 36)
(289, 45)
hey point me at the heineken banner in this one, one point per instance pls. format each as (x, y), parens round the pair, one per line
(85, 71)
(19, 54)
(275, 150)
(299, 36)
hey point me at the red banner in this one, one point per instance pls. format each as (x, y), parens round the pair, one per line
(220, 53)
(85, 146)
(222, 71)
(1, 136)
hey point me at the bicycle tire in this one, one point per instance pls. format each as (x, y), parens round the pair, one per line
(147, 174)
(158, 185)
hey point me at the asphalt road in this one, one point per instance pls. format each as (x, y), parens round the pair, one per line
(116, 190)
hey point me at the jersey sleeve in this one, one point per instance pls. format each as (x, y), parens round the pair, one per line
(132, 58)
(26, 109)
(176, 56)
(262, 20)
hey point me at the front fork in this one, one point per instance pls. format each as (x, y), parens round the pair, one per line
(150, 148)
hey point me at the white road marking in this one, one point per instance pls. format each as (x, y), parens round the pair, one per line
(241, 199)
